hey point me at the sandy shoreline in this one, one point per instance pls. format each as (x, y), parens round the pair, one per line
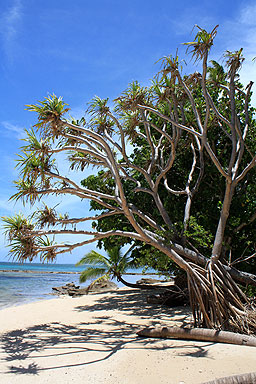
(93, 339)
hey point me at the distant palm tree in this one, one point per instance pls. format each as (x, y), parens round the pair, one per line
(216, 74)
(107, 267)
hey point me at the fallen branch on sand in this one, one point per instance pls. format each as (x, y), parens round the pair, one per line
(246, 378)
(201, 334)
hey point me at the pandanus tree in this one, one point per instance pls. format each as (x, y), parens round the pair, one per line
(203, 121)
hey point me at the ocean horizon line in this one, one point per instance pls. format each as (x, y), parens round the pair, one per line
(37, 271)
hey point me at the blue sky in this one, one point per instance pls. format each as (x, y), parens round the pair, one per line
(84, 48)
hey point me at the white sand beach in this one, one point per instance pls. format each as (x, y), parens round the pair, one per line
(92, 339)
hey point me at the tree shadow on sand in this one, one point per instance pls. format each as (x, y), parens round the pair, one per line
(28, 349)
(134, 302)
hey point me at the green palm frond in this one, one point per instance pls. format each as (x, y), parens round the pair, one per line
(234, 61)
(35, 144)
(45, 241)
(47, 255)
(100, 124)
(202, 43)
(216, 73)
(15, 225)
(49, 108)
(94, 258)
(115, 255)
(46, 216)
(126, 263)
(131, 121)
(92, 273)
(114, 264)
(79, 122)
(131, 97)
(27, 191)
(15, 222)
(35, 155)
(98, 107)
(17, 229)
(49, 112)
(32, 164)
(22, 249)
(161, 89)
(170, 64)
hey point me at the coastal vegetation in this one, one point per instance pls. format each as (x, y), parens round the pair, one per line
(176, 180)
(104, 267)
(113, 265)
(100, 267)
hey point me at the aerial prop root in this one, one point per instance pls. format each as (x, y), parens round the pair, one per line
(217, 302)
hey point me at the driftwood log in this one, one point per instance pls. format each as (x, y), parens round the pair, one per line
(246, 378)
(201, 334)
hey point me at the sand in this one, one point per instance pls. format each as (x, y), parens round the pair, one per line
(92, 339)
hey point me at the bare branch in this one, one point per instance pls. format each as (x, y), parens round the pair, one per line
(215, 160)
(79, 189)
(97, 236)
(242, 259)
(79, 149)
(164, 117)
(217, 112)
(192, 101)
(74, 192)
(246, 170)
(242, 225)
(74, 220)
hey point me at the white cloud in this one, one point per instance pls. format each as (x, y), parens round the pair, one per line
(5, 205)
(6, 128)
(11, 17)
(248, 15)
(241, 32)
(10, 22)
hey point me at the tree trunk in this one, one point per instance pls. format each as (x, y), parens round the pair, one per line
(197, 258)
(219, 236)
(216, 301)
(246, 378)
(140, 286)
(201, 334)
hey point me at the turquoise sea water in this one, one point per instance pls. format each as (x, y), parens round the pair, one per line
(37, 267)
(23, 283)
